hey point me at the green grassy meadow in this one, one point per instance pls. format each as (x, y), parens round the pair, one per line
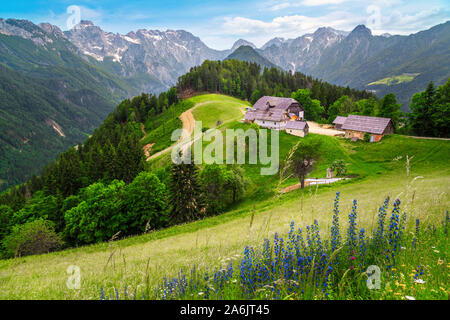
(378, 170)
(404, 78)
(214, 107)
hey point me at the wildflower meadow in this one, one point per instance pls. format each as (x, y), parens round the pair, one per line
(397, 260)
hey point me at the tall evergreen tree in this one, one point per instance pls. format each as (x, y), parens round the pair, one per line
(185, 193)
(430, 111)
(389, 108)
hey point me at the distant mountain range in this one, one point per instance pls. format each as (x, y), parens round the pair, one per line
(56, 86)
(152, 60)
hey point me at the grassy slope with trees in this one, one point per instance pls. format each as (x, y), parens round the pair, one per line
(119, 139)
(211, 241)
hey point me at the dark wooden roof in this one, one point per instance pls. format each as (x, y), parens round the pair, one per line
(266, 102)
(271, 109)
(297, 125)
(339, 120)
(374, 125)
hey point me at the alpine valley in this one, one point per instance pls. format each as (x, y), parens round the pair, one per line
(57, 86)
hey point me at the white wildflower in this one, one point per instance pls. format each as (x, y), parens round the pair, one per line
(419, 281)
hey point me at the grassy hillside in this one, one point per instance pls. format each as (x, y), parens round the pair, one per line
(145, 260)
(363, 160)
(208, 108)
(215, 109)
(404, 78)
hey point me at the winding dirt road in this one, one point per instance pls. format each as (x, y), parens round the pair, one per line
(314, 127)
(187, 118)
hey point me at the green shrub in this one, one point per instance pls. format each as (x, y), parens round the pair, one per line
(339, 167)
(101, 211)
(145, 203)
(366, 137)
(99, 216)
(34, 237)
(213, 180)
(39, 207)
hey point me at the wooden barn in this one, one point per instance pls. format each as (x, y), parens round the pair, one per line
(338, 122)
(297, 128)
(356, 127)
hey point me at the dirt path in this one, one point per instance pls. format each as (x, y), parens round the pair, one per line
(148, 147)
(429, 138)
(187, 118)
(143, 131)
(314, 127)
(311, 182)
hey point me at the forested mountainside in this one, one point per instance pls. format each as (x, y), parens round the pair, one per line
(152, 60)
(114, 151)
(50, 99)
(244, 80)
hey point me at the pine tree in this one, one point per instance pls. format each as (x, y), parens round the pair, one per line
(420, 116)
(185, 194)
(389, 108)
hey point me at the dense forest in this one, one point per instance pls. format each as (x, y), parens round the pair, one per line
(103, 188)
(247, 81)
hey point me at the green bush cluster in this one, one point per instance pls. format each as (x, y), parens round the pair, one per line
(106, 210)
(33, 237)
(97, 213)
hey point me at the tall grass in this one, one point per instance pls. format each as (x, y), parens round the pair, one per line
(411, 263)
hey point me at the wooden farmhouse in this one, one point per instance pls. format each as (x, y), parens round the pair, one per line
(356, 127)
(274, 112)
(297, 128)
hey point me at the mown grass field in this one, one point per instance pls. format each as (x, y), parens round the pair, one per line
(404, 78)
(379, 170)
(215, 109)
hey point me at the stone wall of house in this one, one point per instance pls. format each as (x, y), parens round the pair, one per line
(295, 132)
(351, 133)
(360, 135)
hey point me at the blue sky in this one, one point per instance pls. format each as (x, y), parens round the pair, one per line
(220, 23)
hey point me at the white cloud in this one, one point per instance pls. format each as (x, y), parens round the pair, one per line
(380, 16)
(305, 3)
(287, 26)
(401, 23)
(321, 2)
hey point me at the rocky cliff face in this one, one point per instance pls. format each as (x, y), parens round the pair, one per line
(303, 53)
(165, 55)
